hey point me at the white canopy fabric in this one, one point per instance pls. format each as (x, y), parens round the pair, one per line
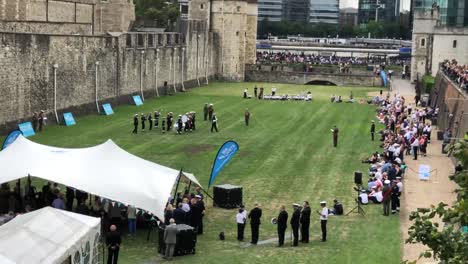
(48, 235)
(105, 170)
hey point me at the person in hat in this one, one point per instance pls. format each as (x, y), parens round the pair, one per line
(205, 112)
(210, 111)
(214, 122)
(163, 125)
(135, 124)
(282, 225)
(363, 198)
(386, 194)
(335, 131)
(40, 120)
(150, 121)
(169, 121)
(295, 223)
(247, 116)
(34, 121)
(156, 119)
(254, 216)
(192, 118)
(394, 196)
(143, 122)
(323, 219)
(305, 222)
(179, 125)
(201, 207)
(372, 130)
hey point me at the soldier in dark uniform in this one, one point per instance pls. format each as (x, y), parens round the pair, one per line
(282, 223)
(179, 125)
(156, 119)
(143, 122)
(192, 114)
(169, 121)
(335, 136)
(255, 91)
(295, 222)
(305, 222)
(34, 121)
(260, 96)
(150, 121)
(201, 206)
(205, 112)
(254, 216)
(214, 123)
(247, 116)
(210, 111)
(40, 119)
(163, 125)
(372, 130)
(135, 124)
(395, 197)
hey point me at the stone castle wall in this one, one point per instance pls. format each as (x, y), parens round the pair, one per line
(125, 63)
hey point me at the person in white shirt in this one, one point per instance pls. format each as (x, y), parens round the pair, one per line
(363, 198)
(185, 205)
(323, 219)
(415, 146)
(240, 220)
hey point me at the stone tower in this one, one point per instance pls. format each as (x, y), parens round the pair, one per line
(235, 22)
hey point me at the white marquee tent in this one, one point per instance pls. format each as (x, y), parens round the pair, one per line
(50, 235)
(105, 170)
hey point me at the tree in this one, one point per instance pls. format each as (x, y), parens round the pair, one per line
(157, 10)
(449, 245)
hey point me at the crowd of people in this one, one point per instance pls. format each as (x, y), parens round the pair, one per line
(407, 132)
(458, 73)
(184, 123)
(299, 221)
(289, 57)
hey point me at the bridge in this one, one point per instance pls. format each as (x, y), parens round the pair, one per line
(271, 75)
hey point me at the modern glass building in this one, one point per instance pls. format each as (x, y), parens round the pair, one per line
(387, 11)
(452, 12)
(324, 11)
(272, 10)
(296, 10)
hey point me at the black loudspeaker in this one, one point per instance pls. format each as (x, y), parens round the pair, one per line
(227, 196)
(358, 178)
(186, 240)
(440, 135)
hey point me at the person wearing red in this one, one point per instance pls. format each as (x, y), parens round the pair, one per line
(247, 116)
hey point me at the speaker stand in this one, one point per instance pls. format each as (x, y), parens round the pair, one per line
(358, 210)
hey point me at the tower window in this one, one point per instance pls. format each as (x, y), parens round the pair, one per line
(237, 33)
(423, 43)
(454, 43)
(202, 6)
(238, 8)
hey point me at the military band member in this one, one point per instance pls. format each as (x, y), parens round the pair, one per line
(260, 95)
(156, 119)
(305, 222)
(163, 125)
(135, 124)
(282, 222)
(295, 222)
(255, 91)
(247, 116)
(150, 121)
(143, 121)
(254, 216)
(335, 136)
(372, 130)
(179, 125)
(210, 111)
(192, 114)
(214, 123)
(205, 112)
(323, 219)
(169, 121)
(40, 119)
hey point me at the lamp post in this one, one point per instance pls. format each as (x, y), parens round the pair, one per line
(55, 66)
(141, 75)
(182, 70)
(157, 72)
(96, 86)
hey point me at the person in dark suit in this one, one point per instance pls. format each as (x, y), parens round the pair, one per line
(113, 241)
(179, 215)
(295, 222)
(205, 112)
(170, 239)
(255, 91)
(372, 130)
(282, 222)
(254, 216)
(214, 123)
(335, 136)
(305, 222)
(34, 121)
(150, 121)
(135, 124)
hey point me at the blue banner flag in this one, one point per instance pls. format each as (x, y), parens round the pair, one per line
(69, 120)
(137, 100)
(27, 129)
(107, 109)
(225, 154)
(11, 138)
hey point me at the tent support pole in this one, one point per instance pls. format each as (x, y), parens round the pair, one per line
(177, 185)
(207, 194)
(189, 185)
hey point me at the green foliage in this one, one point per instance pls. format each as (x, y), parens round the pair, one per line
(157, 10)
(449, 245)
(428, 83)
(377, 30)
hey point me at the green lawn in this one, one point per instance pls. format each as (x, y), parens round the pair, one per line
(285, 156)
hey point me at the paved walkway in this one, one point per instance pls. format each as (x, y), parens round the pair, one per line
(416, 193)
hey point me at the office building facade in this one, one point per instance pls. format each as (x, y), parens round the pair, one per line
(271, 10)
(387, 11)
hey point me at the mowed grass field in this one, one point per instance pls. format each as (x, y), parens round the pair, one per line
(285, 156)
